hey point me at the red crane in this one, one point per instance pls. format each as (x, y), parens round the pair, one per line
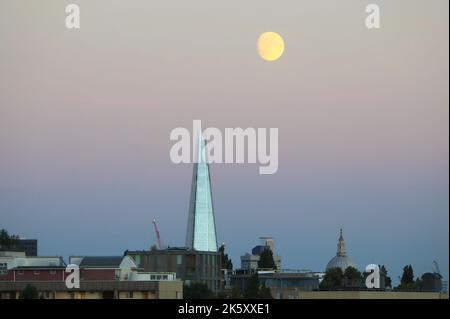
(157, 234)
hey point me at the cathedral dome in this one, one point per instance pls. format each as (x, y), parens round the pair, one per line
(341, 260)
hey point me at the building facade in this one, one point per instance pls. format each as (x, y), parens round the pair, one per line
(191, 266)
(29, 246)
(201, 227)
(100, 278)
(279, 282)
(297, 294)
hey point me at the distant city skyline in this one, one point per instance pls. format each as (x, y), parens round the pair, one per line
(362, 118)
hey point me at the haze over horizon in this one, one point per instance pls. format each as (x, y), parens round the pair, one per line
(85, 118)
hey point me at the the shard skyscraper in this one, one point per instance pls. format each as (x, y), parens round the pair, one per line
(201, 231)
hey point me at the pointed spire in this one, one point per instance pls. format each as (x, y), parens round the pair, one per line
(201, 147)
(201, 232)
(341, 246)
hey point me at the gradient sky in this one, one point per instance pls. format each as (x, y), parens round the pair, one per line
(85, 118)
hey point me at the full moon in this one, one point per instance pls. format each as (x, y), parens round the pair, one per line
(270, 46)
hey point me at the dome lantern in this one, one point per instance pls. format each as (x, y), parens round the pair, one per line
(341, 260)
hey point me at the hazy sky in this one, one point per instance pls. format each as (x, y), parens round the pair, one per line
(85, 118)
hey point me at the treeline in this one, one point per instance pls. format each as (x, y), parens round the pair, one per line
(335, 278)
(7, 241)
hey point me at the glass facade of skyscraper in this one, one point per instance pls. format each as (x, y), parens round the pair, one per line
(201, 232)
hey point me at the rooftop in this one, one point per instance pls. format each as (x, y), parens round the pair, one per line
(102, 261)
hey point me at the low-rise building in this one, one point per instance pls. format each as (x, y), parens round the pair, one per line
(278, 281)
(100, 278)
(289, 293)
(190, 265)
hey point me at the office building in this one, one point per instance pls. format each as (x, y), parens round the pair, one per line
(191, 266)
(201, 228)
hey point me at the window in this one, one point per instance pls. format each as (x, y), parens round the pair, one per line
(179, 259)
(20, 272)
(130, 294)
(164, 277)
(52, 272)
(3, 268)
(36, 272)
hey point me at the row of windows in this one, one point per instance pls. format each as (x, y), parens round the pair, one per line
(37, 272)
(159, 277)
(129, 294)
(53, 272)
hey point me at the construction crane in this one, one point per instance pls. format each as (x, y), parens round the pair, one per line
(158, 237)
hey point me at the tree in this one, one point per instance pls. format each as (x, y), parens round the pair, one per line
(197, 291)
(253, 287)
(333, 278)
(264, 292)
(408, 275)
(4, 238)
(418, 284)
(7, 241)
(255, 290)
(407, 281)
(387, 279)
(236, 293)
(30, 292)
(226, 262)
(352, 277)
(266, 260)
